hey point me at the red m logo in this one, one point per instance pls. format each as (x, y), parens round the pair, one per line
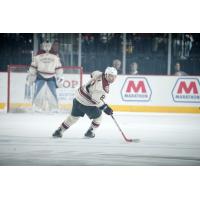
(183, 87)
(136, 88)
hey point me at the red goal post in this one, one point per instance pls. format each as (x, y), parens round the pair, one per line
(16, 82)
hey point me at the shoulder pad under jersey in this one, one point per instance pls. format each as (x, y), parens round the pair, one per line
(95, 74)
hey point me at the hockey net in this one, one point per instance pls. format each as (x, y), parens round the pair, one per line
(19, 99)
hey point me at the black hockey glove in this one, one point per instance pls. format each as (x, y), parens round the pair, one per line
(107, 109)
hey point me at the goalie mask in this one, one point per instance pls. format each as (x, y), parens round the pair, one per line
(110, 74)
(46, 46)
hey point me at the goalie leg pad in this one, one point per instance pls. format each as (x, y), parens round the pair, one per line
(29, 91)
(31, 78)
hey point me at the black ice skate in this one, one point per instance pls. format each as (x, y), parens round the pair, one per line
(57, 133)
(89, 134)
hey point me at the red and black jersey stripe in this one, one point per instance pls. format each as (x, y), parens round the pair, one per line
(86, 96)
(105, 84)
(48, 73)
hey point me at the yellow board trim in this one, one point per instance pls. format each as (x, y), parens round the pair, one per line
(168, 109)
(28, 105)
(124, 108)
(2, 106)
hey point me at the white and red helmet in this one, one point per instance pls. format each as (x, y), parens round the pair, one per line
(110, 74)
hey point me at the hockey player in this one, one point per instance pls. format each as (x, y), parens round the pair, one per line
(45, 68)
(89, 100)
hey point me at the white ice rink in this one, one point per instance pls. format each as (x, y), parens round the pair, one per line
(166, 139)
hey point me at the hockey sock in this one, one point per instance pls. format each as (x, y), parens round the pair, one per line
(63, 127)
(94, 126)
(68, 122)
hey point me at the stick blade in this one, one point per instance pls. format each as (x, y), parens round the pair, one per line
(136, 140)
(133, 140)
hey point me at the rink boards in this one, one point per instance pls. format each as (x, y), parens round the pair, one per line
(132, 94)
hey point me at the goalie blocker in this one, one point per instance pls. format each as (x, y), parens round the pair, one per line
(89, 100)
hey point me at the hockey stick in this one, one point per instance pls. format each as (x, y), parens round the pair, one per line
(127, 140)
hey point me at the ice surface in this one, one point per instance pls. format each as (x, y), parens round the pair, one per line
(166, 139)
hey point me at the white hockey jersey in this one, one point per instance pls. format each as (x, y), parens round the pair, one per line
(47, 65)
(92, 93)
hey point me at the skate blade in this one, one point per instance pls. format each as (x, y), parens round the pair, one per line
(56, 136)
(86, 137)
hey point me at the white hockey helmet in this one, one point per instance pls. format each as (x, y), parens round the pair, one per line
(46, 46)
(110, 74)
